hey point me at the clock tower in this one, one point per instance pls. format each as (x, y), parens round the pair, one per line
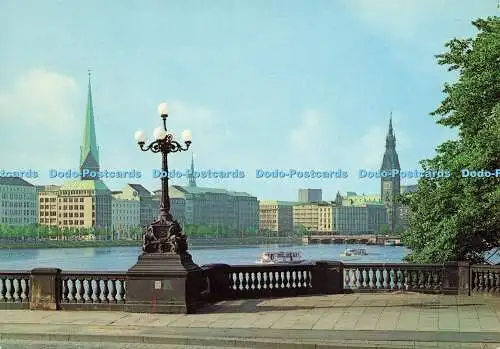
(390, 185)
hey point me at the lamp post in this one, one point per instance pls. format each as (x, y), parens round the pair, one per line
(165, 234)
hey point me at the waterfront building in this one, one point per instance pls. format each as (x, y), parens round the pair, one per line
(316, 217)
(212, 206)
(125, 212)
(18, 201)
(359, 214)
(47, 204)
(177, 206)
(390, 186)
(310, 195)
(137, 191)
(85, 202)
(276, 216)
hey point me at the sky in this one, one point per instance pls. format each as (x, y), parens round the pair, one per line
(304, 85)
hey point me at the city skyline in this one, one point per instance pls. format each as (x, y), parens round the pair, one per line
(42, 98)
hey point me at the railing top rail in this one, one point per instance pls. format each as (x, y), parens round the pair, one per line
(96, 273)
(14, 272)
(485, 266)
(392, 265)
(271, 266)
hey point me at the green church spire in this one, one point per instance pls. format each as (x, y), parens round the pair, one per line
(191, 177)
(89, 155)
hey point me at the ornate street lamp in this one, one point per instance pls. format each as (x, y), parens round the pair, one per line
(165, 234)
(165, 279)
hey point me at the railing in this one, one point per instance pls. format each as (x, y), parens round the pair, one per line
(393, 277)
(485, 279)
(14, 289)
(96, 290)
(254, 281)
(53, 289)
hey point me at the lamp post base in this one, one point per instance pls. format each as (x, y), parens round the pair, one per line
(164, 283)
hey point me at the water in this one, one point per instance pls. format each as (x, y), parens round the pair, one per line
(121, 258)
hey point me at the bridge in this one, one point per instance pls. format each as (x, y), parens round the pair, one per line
(368, 239)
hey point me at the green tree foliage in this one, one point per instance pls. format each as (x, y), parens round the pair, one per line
(458, 218)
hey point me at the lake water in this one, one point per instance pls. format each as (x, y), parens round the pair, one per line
(121, 258)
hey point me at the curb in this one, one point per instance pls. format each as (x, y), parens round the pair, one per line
(257, 343)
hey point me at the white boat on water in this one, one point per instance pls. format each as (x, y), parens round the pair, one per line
(349, 252)
(281, 257)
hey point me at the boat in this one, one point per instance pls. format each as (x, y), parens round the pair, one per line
(349, 252)
(281, 257)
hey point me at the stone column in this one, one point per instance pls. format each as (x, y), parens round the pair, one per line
(45, 292)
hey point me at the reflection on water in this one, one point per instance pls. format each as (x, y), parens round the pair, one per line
(121, 258)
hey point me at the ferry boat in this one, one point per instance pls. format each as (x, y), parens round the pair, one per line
(281, 257)
(349, 252)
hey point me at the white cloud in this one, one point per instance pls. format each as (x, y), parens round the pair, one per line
(38, 110)
(400, 19)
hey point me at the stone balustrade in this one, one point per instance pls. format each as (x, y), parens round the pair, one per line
(47, 288)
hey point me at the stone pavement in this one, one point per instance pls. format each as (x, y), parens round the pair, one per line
(395, 320)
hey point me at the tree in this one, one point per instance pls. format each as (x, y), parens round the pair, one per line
(456, 217)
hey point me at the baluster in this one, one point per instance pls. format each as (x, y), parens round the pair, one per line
(237, 281)
(232, 283)
(87, 290)
(475, 281)
(293, 278)
(243, 281)
(24, 294)
(253, 278)
(259, 280)
(80, 289)
(71, 283)
(269, 281)
(428, 281)
(9, 290)
(288, 275)
(3, 290)
(421, 279)
(64, 293)
(300, 279)
(406, 280)
(386, 278)
(481, 281)
(361, 278)
(497, 281)
(96, 295)
(347, 280)
(16, 287)
(309, 278)
(105, 291)
(113, 291)
(354, 278)
(379, 274)
(123, 290)
(279, 279)
(490, 285)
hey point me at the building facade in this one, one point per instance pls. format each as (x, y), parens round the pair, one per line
(137, 191)
(310, 195)
(276, 216)
(125, 213)
(390, 186)
(18, 201)
(212, 206)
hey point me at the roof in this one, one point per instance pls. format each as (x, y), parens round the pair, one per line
(277, 202)
(85, 184)
(139, 189)
(203, 190)
(89, 156)
(15, 181)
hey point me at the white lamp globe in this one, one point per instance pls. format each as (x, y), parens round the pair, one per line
(159, 133)
(139, 136)
(163, 109)
(187, 136)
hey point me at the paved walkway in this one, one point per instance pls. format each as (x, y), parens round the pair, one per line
(338, 321)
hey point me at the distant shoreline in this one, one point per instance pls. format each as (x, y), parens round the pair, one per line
(199, 243)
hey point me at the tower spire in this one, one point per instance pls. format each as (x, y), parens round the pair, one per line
(89, 154)
(192, 180)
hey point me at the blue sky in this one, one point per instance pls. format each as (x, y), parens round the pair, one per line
(261, 84)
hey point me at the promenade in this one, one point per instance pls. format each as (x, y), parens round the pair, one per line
(396, 320)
